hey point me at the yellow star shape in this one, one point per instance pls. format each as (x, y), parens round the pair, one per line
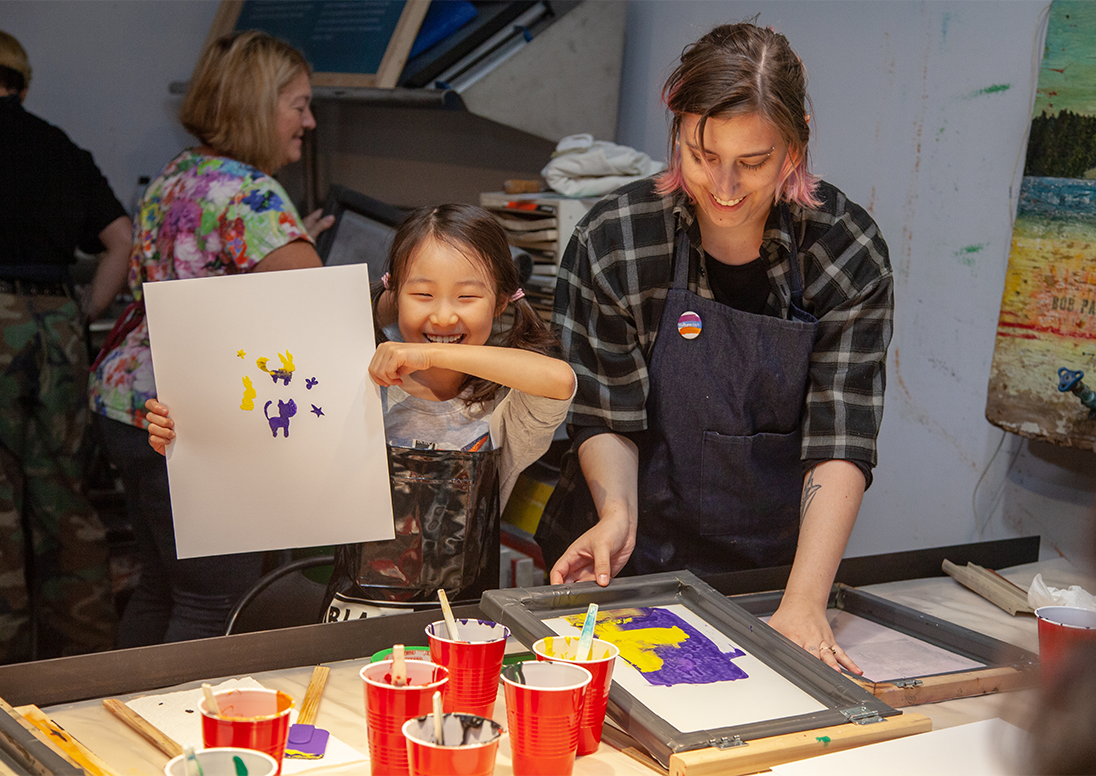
(240, 353)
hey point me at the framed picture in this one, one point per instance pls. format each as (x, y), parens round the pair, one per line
(697, 670)
(360, 44)
(362, 232)
(909, 657)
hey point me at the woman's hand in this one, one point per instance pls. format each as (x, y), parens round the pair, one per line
(810, 629)
(316, 222)
(599, 554)
(395, 360)
(160, 426)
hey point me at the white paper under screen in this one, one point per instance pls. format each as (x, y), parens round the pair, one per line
(762, 694)
(280, 432)
(884, 654)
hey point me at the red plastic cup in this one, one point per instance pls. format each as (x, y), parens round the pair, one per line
(600, 664)
(543, 704)
(387, 707)
(251, 719)
(469, 746)
(474, 663)
(1061, 630)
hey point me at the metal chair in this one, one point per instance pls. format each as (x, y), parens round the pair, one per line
(282, 598)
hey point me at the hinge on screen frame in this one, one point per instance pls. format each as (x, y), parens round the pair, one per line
(726, 742)
(904, 683)
(861, 715)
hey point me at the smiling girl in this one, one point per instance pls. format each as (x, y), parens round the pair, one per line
(462, 417)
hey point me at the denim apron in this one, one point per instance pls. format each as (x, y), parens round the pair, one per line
(720, 476)
(446, 507)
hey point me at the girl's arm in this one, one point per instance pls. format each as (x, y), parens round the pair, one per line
(523, 370)
(160, 426)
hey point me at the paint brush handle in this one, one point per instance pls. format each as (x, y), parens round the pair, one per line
(439, 720)
(586, 640)
(399, 666)
(447, 613)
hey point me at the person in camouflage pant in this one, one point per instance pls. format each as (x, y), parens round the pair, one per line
(51, 541)
(55, 586)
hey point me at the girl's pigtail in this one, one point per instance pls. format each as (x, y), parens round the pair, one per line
(529, 332)
(376, 291)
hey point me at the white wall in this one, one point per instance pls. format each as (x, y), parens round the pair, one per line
(920, 115)
(101, 72)
(911, 119)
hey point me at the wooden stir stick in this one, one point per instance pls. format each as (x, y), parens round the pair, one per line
(447, 613)
(154, 735)
(399, 666)
(310, 706)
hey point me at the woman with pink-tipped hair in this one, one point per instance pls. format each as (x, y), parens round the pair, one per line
(728, 322)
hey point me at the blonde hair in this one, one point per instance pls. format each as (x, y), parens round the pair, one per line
(232, 102)
(14, 57)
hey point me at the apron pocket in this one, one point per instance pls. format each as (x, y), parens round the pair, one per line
(751, 486)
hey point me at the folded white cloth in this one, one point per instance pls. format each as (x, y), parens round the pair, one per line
(584, 167)
(1041, 594)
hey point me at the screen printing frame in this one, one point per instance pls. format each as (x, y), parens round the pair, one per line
(524, 610)
(1007, 666)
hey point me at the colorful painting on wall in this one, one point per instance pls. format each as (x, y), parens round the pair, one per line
(280, 430)
(1046, 336)
(687, 671)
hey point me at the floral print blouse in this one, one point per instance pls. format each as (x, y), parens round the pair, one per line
(201, 216)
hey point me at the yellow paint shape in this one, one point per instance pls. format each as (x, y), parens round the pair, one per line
(286, 359)
(248, 402)
(240, 353)
(636, 646)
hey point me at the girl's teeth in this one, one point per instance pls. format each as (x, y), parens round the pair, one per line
(444, 339)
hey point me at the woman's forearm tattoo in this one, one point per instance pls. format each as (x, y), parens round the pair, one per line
(809, 491)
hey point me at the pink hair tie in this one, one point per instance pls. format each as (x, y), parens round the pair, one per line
(519, 294)
(384, 281)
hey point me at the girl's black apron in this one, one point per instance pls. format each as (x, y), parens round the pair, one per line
(446, 507)
(720, 476)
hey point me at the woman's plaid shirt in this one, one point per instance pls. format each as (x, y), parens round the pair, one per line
(617, 270)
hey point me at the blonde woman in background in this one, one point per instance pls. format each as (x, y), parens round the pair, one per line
(213, 210)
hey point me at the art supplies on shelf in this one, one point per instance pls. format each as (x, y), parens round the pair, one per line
(540, 224)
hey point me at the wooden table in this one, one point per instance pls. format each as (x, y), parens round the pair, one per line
(70, 690)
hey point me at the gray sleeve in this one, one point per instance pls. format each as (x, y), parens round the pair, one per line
(523, 426)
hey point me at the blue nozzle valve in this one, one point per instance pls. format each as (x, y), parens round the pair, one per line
(1070, 380)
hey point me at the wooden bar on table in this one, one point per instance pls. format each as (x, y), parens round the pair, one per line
(148, 731)
(761, 754)
(990, 585)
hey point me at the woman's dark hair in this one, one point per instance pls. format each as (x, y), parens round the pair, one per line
(474, 232)
(736, 70)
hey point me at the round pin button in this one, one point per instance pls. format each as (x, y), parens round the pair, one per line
(689, 325)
